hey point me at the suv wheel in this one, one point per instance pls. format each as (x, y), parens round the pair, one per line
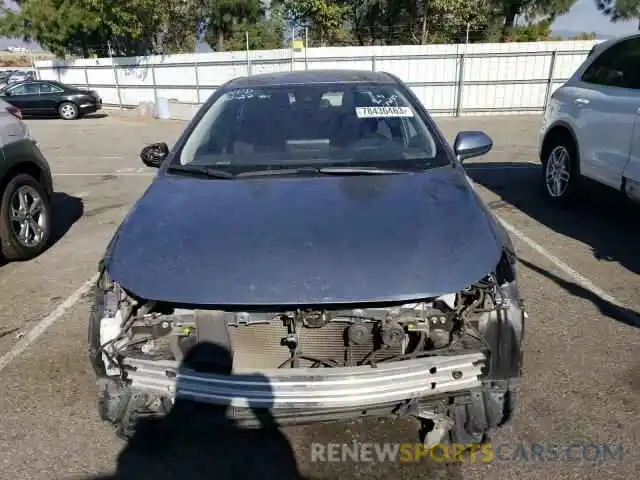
(560, 173)
(25, 218)
(68, 111)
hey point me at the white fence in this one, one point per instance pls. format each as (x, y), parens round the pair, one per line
(448, 79)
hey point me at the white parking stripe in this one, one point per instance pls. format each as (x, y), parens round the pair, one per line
(133, 170)
(42, 326)
(74, 298)
(58, 155)
(104, 174)
(578, 278)
(514, 166)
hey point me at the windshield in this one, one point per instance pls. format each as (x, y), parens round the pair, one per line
(312, 125)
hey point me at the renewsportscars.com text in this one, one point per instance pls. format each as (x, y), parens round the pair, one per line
(504, 452)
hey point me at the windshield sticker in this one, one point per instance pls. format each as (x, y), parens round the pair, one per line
(378, 112)
(380, 99)
(242, 94)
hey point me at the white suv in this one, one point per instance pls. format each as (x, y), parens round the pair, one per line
(591, 127)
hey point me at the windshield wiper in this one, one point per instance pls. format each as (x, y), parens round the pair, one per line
(359, 170)
(274, 172)
(202, 170)
(339, 170)
(268, 172)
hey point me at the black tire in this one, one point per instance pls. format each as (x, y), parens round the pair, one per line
(68, 111)
(12, 247)
(558, 146)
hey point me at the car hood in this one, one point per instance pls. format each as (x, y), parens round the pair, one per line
(304, 240)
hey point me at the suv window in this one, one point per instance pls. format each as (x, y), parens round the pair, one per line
(618, 66)
(49, 88)
(25, 89)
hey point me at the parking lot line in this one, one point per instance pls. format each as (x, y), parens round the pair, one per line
(103, 174)
(42, 326)
(54, 155)
(488, 166)
(573, 274)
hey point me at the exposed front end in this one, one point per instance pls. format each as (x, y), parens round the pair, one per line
(434, 358)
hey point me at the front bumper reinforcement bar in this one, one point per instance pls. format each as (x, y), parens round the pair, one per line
(309, 388)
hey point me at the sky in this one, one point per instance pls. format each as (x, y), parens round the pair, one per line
(585, 17)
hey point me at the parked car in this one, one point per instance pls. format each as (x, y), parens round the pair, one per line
(20, 76)
(46, 97)
(25, 189)
(590, 128)
(5, 74)
(18, 49)
(310, 260)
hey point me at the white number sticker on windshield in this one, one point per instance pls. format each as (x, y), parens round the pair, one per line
(242, 94)
(381, 99)
(379, 112)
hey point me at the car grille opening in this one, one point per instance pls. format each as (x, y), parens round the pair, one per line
(258, 347)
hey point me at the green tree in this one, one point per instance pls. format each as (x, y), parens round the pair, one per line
(448, 21)
(265, 34)
(393, 22)
(182, 25)
(84, 27)
(505, 13)
(385, 22)
(620, 9)
(536, 32)
(585, 36)
(223, 17)
(324, 19)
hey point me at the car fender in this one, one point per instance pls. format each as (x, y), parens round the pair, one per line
(560, 123)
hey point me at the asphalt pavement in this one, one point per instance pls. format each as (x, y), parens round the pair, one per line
(578, 271)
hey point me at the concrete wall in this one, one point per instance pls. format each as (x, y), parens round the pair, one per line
(449, 79)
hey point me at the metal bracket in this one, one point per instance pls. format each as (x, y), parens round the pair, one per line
(441, 426)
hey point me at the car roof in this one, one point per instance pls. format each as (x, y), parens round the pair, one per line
(21, 82)
(607, 43)
(310, 77)
(24, 82)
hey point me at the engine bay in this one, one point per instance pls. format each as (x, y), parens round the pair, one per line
(329, 338)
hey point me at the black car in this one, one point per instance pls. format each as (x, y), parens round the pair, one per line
(310, 250)
(5, 74)
(47, 97)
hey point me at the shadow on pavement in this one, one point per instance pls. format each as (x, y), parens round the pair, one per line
(53, 116)
(621, 314)
(66, 210)
(96, 115)
(601, 218)
(200, 441)
(197, 441)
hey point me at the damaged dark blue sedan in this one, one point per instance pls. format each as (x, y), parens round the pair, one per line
(310, 250)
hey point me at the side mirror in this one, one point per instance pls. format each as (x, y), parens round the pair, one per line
(153, 155)
(471, 144)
